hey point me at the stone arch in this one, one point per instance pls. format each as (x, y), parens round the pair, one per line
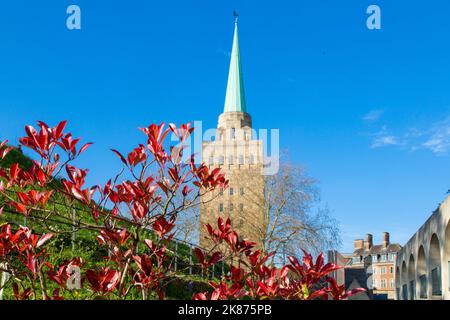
(404, 281)
(447, 254)
(398, 283)
(422, 278)
(434, 263)
(412, 277)
(397, 277)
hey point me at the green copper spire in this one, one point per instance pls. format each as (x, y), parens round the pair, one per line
(235, 97)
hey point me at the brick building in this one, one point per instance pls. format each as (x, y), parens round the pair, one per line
(372, 266)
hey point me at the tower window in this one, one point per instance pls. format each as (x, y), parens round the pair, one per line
(220, 207)
(241, 159)
(233, 133)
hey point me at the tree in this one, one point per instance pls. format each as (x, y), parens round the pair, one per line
(295, 218)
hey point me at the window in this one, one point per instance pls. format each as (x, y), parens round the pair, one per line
(436, 281)
(231, 191)
(241, 207)
(383, 270)
(383, 258)
(423, 286)
(230, 160)
(231, 207)
(252, 159)
(383, 283)
(392, 283)
(233, 133)
(221, 160)
(374, 258)
(241, 159)
(391, 269)
(374, 270)
(221, 191)
(220, 207)
(241, 192)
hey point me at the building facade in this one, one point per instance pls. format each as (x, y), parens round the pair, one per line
(422, 268)
(240, 156)
(370, 266)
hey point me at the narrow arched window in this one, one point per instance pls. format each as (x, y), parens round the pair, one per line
(233, 133)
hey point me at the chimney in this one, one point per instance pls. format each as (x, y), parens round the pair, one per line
(359, 244)
(385, 239)
(368, 242)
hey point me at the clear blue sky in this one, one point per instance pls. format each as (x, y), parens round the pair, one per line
(367, 112)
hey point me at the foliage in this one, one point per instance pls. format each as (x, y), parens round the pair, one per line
(136, 253)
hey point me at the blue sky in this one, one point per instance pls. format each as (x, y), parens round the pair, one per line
(366, 112)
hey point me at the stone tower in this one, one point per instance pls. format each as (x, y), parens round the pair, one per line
(240, 156)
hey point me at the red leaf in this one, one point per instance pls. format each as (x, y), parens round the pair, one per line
(14, 171)
(84, 147)
(59, 129)
(199, 253)
(44, 239)
(215, 258)
(120, 156)
(2, 144)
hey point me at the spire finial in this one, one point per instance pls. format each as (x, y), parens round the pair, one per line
(236, 16)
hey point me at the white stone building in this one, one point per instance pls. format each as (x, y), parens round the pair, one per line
(422, 265)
